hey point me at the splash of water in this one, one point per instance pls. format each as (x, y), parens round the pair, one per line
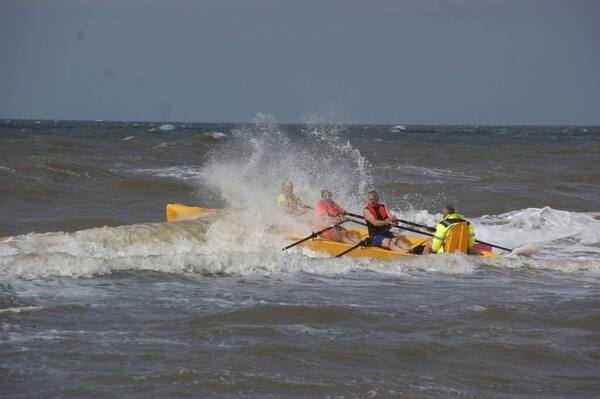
(212, 245)
(314, 158)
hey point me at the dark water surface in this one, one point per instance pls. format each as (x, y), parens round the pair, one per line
(100, 298)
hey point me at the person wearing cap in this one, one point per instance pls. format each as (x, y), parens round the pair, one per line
(449, 219)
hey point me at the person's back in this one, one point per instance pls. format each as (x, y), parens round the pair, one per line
(452, 233)
(457, 237)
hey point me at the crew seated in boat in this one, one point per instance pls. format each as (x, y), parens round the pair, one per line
(288, 200)
(328, 213)
(379, 222)
(450, 220)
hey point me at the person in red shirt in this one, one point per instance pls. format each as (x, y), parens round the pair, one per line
(328, 213)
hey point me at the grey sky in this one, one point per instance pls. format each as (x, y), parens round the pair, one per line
(425, 61)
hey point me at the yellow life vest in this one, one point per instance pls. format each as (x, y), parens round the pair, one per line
(280, 199)
(452, 234)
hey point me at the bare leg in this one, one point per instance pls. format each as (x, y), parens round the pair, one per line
(402, 241)
(350, 239)
(427, 249)
(389, 244)
(399, 245)
(343, 236)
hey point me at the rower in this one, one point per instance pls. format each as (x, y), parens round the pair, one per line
(379, 222)
(289, 201)
(452, 234)
(328, 213)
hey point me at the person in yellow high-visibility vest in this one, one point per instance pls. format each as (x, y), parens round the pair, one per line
(450, 218)
(288, 201)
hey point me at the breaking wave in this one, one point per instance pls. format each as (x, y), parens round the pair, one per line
(230, 243)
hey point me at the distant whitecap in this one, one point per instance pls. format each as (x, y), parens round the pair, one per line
(214, 135)
(166, 127)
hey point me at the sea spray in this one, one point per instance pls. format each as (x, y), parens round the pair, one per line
(315, 158)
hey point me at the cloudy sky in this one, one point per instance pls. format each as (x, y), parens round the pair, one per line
(399, 62)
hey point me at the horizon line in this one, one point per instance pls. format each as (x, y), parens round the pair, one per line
(296, 123)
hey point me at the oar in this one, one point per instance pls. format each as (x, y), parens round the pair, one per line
(357, 222)
(400, 220)
(413, 230)
(361, 243)
(313, 235)
(399, 227)
(494, 245)
(479, 241)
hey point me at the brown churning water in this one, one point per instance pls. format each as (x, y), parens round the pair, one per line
(99, 297)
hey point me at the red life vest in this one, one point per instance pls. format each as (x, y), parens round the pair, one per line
(328, 207)
(380, 214)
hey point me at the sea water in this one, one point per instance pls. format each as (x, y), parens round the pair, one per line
(99, 297)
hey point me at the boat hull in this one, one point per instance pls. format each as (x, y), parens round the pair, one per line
(333, 248)
(175, 212)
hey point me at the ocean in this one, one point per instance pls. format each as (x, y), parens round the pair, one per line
(100, 297)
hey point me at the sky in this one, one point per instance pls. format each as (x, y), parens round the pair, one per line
(516, 62)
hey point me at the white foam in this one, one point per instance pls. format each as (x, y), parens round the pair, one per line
(166, 127)
(556, 233)
(230, 243)
(215, 135)
(20, 309)
(186, 173)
